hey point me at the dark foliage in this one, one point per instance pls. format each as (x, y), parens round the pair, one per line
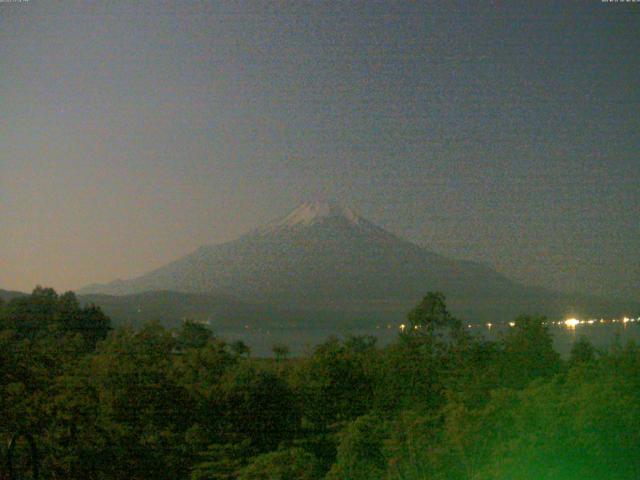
(438, 404)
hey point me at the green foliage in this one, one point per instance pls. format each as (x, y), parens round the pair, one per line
(332, 385)
(582, 352)
(408, 374)
(528, 352)
(437, 404)
(199, 369)
(240, 348)
(288, 464)
(360, 452)
(257, 405)
(222, 462)
(584, 426)
(193, 335)
(429, 315)
(281, 352)
(142, 410)
(45, 314)
(413, 443)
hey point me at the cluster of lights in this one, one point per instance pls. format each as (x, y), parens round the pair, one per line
(574, 322)
(568, 323)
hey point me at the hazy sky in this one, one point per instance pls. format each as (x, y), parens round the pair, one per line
(506, 132)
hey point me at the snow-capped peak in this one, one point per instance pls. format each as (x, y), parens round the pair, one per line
(311, 213)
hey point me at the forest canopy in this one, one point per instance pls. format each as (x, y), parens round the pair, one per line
(438, 403)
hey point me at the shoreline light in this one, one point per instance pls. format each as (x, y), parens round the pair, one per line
(571, 322)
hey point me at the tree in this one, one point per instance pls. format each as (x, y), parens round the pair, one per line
(430, 314)
(281, 352)
(93, 325)
(193, 335)
(361, 344)
(255, 404)
(528, 352)
(32, 315)
(199, 369)
(142, 410)
(289, 464)
(582, 351)
(332, 385)
(410, 371)
(44, 313)
(240, 348)
(360, 453)
(222, 461)
(586, 425)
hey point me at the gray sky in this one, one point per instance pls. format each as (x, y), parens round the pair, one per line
(505, 132)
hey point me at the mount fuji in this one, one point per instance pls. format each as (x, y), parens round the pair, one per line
(323, 257)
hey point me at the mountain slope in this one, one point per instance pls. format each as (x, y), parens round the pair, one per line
(325, 257)
(171, 308)
(7, 295)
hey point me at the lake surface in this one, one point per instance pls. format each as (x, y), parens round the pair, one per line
(301, 340)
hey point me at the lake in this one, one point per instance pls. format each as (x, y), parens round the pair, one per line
(300, 340)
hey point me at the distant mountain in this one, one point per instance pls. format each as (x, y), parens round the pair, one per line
(170, 308)
(220, 312)
(7, 295)
(323, 257)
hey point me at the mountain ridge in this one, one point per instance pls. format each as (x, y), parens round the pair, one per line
(323, 255)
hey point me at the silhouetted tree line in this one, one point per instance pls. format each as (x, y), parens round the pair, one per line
(436, 404)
